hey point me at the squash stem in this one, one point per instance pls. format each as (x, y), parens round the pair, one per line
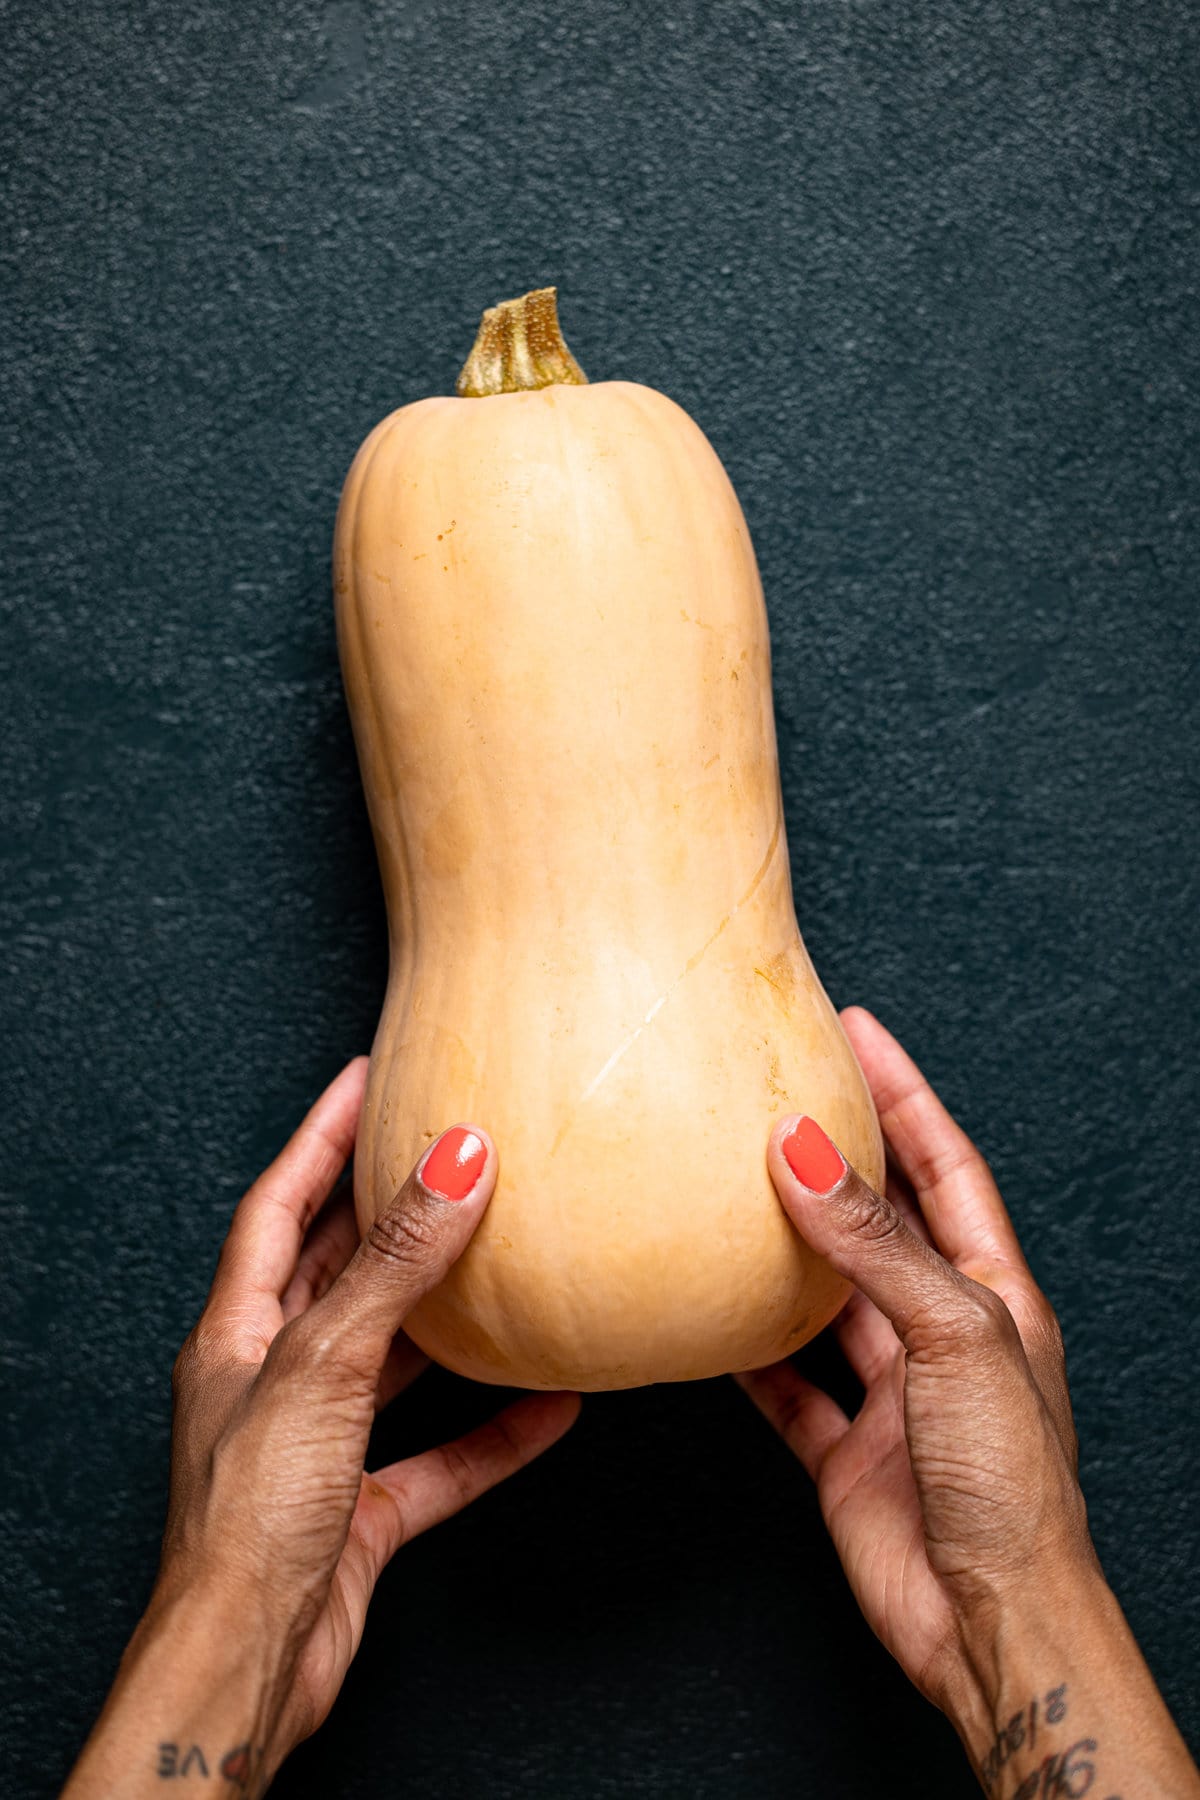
(520, 345)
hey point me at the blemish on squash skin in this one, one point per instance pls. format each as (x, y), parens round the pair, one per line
(780, 974)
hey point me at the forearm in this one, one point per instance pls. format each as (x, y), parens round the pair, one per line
(1059, 1701)
(198, 1697)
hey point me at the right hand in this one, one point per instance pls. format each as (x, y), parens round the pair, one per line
(952, 1496)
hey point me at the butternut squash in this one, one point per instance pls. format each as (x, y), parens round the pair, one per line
(555, 653)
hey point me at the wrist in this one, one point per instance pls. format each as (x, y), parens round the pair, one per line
(227, 1618)
(1012, 1641)
(202, 1690)
(225, 1648)
(1049, 1687)
(1025, 1667)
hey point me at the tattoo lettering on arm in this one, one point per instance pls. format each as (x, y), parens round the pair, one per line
(1020, 1732)
(178, 1762)
(1067, 1775)
(1060, 1775)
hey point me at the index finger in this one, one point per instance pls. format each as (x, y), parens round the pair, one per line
(265, 1238)
(955, 1188)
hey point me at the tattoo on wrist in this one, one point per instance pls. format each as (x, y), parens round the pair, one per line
(1066, 1774)
(191, 1762)
(1021, 1731)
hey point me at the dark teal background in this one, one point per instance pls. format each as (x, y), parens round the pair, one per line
(927, 275)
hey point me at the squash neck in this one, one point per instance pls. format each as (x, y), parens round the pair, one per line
(520, 346)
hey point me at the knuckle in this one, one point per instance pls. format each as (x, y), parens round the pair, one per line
(459, 1471)
(197, 1356)
(396, 1500)
(964, 1161)
(305, 1346)
(322, 1353)
(509, 1438)
(404, 1235)
(1035, 1319)
(287, 1348)
(869, 1217)
(791, 1409)
(983, 1321)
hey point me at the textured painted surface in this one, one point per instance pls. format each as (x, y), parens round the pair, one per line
(926, 274)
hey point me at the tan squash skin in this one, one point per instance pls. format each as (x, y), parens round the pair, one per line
(555, 650)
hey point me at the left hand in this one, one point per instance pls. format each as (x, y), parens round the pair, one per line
(275, 1534)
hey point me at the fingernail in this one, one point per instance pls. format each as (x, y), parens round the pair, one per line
(812, 1158)
(455, 1163)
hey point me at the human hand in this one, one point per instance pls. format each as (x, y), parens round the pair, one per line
(952, 1496)
(275, 1535)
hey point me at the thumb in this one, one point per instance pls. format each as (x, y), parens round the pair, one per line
(410, 1247)
(865, 1239)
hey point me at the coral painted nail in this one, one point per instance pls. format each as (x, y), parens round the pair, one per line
(455, 1163)
(812, 1158)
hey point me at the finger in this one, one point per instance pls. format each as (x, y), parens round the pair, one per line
(863, 1236)
(327, 1250)
(265, 1238)
(330, 1244)
(961, 1203)
(866, 1337)
(406, 1498)
(960, 1199)
(407, 1251)
(899, 1190)
(807, 1419)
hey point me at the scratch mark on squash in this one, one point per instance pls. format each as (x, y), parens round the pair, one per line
(692, 963)
(620, 1050)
